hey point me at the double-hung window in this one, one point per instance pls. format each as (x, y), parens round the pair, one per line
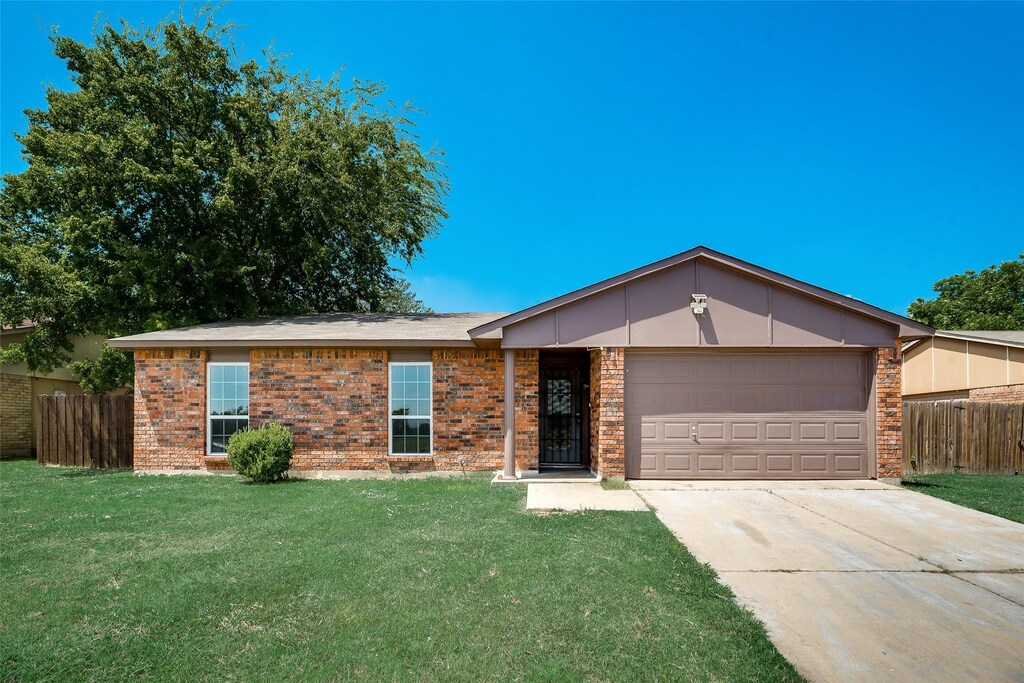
(227, 403)
(410, 403)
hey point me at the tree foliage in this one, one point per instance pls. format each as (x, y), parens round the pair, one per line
(176, 184)
(992, 299)
(110, 370)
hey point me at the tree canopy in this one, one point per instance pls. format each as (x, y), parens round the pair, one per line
(176, 184)
(992, 299)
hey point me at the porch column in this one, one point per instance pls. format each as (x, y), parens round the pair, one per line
(510, 415)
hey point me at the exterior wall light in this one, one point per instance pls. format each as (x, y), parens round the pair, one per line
(700, 302)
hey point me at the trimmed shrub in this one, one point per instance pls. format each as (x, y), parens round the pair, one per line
(263, 454)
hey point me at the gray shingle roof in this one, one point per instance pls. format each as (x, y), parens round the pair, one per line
(329, 329)
(1006, 337)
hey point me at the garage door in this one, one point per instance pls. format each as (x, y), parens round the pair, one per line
(747, 415)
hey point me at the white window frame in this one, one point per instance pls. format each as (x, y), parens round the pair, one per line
(430, 417)
(210, 418)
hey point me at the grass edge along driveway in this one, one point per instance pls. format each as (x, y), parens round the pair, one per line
(1000, 495)
(107, 575)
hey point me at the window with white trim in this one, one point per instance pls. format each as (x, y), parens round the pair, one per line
(410, 407)
(227, 403)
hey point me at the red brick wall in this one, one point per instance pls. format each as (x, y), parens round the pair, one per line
(595, 410)
(610, 446)
(469, 413)
(527, 379)
(889, 413)
(333, 400)
(1011, 393)
(170, 409)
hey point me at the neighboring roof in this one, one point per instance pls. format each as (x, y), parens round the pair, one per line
(1003, 337)
(907, 328)
(23, 325)
(328, 329)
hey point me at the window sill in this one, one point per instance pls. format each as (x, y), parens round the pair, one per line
(410, 458)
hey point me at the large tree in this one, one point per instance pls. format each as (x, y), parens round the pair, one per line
(175, 184)
(992, 299)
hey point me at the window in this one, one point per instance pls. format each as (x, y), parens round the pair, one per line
(410, 403)
(227, 404)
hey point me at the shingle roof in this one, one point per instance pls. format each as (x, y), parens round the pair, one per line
(1005, 337)
(328, 329)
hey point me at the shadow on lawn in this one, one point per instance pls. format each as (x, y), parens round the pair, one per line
(913, 483)
(78, 472)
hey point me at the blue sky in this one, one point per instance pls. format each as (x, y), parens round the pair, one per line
(867, 148)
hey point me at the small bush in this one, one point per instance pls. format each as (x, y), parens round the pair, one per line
(263, 454)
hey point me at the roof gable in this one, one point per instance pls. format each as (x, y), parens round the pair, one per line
(748, 306)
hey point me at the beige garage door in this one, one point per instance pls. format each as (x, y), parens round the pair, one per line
(747, 415)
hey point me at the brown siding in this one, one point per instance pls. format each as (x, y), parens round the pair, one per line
(743, 311)
(170, 409)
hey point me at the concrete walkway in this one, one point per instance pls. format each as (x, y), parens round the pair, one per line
(861, 581)
(549, 497)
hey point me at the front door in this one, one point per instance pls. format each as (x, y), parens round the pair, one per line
(564, 406)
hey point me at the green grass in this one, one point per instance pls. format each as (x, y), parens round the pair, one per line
(614, 485)
(109, 576)
(991, 493)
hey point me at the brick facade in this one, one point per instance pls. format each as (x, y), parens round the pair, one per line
(595, 410)
(15, 413)
(325, 396)
(170, 409)
(607, 412)
(469, 412)
(889, 413)
(527, 381)
(335, 402)
(1010, 393)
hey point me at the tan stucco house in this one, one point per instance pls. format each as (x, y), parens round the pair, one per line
(698, 366)
(19, 389)
(978, 364)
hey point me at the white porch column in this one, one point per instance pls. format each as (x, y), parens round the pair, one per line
(510, 415)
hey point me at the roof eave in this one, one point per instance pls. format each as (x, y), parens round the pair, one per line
(947, 334)
(129, 343)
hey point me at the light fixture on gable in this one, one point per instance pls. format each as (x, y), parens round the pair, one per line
(700, 302)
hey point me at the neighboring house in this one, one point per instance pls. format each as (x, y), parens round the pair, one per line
(699, 366)
(986, 365)
(19, 389)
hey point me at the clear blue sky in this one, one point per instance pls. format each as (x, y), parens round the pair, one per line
(867, 148)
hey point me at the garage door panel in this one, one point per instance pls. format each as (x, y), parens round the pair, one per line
(749, 463)
(747, 415)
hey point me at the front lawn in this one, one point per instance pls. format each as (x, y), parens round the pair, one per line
(991, 493)
(105, 575)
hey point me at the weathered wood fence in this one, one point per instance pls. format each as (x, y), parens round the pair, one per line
(85, 431)
(963, 436)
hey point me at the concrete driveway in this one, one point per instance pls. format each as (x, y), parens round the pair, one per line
(860, 580)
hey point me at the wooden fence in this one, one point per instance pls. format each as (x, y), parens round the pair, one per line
(85, 431)
(963, 436)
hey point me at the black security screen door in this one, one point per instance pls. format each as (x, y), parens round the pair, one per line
(563, 423)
